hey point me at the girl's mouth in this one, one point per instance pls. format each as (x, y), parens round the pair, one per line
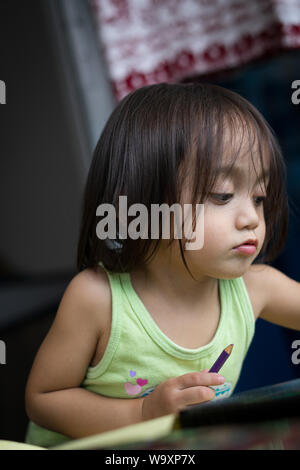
(246, 249)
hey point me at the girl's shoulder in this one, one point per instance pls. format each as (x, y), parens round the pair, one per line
(92, 289)
(275, 296)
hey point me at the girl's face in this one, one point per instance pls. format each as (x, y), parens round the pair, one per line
(233, 214)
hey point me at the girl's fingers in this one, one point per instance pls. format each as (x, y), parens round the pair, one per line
(195, 379)
(194, 395)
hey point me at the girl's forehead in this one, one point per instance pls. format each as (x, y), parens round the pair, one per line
(245, 172)
(243, 151)
(244, 165)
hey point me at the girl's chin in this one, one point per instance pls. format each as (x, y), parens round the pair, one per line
(232, 272)
(228, 269)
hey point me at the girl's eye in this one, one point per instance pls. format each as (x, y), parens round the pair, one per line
(224, 197)
(259, 200)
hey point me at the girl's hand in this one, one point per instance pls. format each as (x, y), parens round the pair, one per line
(176, 393)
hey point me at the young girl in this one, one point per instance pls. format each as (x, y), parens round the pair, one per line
(140, 325)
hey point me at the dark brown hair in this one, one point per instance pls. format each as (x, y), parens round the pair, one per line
(156, 137)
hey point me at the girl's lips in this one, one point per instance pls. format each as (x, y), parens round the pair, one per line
(246, 249)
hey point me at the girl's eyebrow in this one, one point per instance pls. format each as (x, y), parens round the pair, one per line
(227, 170)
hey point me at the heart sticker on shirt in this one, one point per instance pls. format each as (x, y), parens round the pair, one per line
(141, 382)
(132, 389)
(132, 373)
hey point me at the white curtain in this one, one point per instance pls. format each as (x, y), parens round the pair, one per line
(150, 41)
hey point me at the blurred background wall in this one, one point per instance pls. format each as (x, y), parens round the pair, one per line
(48, 128)
(47, 135)
(66, 63)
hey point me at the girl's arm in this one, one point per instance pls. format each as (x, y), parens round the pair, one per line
(77, 413)
(278, 295)
(54, 399)
(53, 396)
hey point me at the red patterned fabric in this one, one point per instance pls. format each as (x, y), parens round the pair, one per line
(153, 41)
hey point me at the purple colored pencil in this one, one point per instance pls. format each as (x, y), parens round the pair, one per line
(221, 359)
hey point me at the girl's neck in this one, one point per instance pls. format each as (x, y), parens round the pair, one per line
(170, 279)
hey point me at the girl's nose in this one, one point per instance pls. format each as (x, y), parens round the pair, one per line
(247, 215)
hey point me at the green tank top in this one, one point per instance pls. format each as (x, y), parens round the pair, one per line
(139, 356)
